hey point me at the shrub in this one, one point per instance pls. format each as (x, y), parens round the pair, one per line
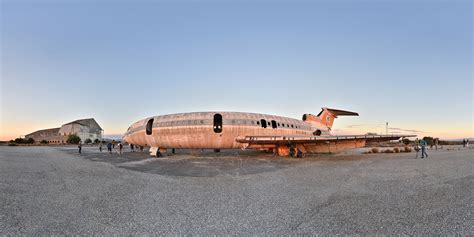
(388, 151)
(375, 150)
(19, 141)
(396, 150)
(43, 142)
(73, 139)
(407, 149)
(88, 141)
(96, 141)
(12, 144)
(30, 140)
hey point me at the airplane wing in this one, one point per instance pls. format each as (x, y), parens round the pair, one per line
(269, 140)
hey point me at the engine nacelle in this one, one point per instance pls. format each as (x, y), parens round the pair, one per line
(311, 118)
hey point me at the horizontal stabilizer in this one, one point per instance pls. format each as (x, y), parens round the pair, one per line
(339, 112)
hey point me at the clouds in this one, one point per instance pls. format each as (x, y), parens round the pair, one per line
(402, 130)
(364, 128)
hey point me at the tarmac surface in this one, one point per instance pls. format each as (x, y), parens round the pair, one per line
(54, 190)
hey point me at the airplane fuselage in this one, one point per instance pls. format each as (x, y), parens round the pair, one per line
(214, 130)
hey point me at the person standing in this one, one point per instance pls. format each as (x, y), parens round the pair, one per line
(120, 147)
(132, 148)
(423, 148)
(100, 146)
(463, 142)
(109, 147)
(467, 143)
(79, 145)
(417, 147)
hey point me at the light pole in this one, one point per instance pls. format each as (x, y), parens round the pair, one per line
(386, 128)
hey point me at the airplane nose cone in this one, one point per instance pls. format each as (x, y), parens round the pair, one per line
(125, 138)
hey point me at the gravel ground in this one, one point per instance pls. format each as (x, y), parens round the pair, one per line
(48, 190)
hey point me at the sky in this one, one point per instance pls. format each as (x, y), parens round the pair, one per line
(408, 63)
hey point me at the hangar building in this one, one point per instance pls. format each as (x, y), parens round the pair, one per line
(83, 128)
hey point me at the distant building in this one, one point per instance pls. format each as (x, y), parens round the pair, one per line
(83, 128)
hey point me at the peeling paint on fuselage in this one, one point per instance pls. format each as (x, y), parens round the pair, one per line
(196, 130)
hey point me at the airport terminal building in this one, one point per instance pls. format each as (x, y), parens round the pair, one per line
(83, 128)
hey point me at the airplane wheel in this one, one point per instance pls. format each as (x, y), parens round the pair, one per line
(158, 153)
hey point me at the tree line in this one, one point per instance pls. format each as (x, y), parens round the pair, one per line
(71, 139)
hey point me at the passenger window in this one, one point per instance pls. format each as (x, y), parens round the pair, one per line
(264, 123)
(217, 123)
(149, 127)
(274, 124)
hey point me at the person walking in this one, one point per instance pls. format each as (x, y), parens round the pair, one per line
(120, 147)
(463, 142)
(79, 145)
(132, 148)
(109, 147)
(467, 143)
(100, 146)
(423, 148)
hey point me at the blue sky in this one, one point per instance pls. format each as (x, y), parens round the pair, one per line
(408, 62)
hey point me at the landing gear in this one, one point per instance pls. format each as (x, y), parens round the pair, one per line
(299, 153)
(157, 152)
(296, 153)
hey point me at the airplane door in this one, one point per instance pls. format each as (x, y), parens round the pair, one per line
(217, 123)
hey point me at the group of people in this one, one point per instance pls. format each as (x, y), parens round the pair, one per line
(111, 145)
(465, 142)
(421, 145)
(133, 147)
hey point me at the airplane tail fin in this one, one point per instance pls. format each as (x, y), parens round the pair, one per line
(327, 116)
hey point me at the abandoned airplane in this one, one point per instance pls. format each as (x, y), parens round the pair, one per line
(227, 130)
